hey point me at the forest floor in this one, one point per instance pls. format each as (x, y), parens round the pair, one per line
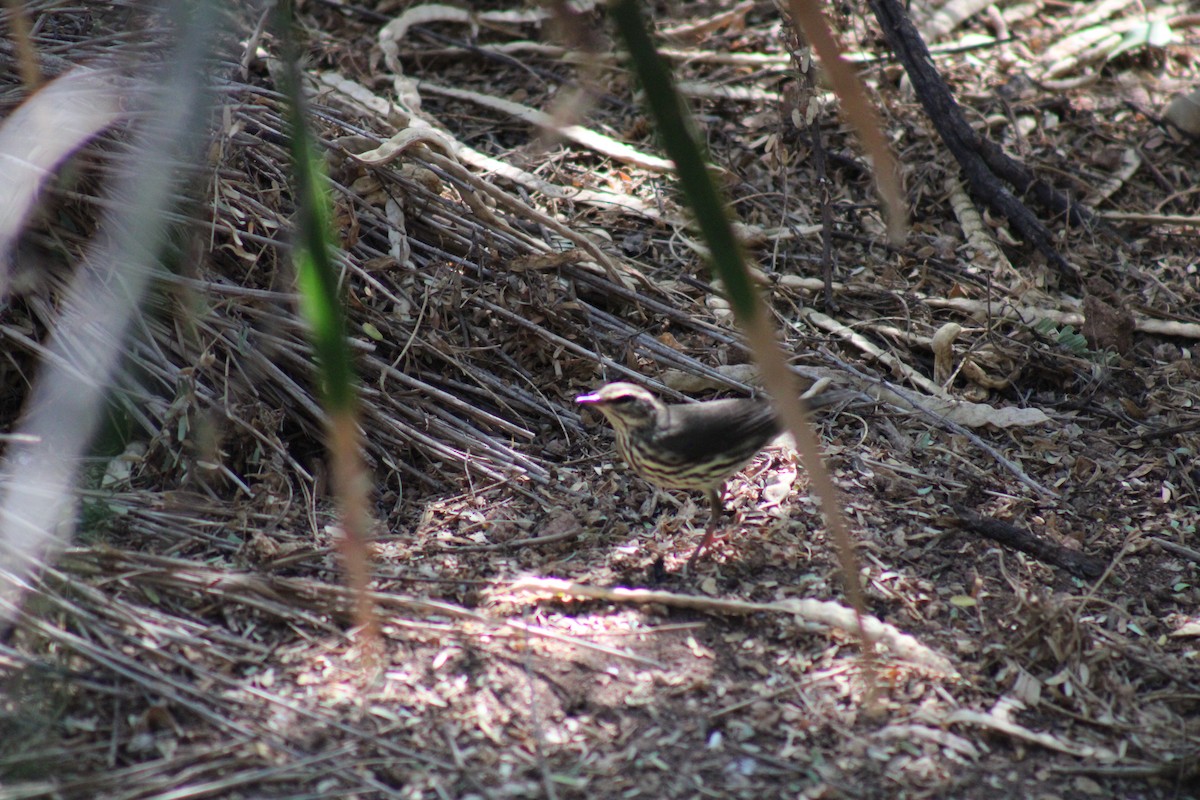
(539, 635)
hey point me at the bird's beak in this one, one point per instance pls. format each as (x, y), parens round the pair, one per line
(589, 399)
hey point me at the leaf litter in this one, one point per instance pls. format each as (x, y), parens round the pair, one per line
(540, 638)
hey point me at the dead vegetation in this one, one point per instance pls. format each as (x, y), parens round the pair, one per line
(192, 642)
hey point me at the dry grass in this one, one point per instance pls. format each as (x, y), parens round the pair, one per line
(193, 642)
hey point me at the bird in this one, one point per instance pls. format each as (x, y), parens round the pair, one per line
(693, 446)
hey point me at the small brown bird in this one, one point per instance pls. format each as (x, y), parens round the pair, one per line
(686, 446)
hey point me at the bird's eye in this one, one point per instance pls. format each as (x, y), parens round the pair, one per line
(623, 400)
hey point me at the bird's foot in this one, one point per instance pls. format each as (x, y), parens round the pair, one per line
(710, 536)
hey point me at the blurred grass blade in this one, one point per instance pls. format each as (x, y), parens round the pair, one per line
(321, 305)
(50, 125)
(682, 145)
(677, 134)
(85, 347)
(858, 111)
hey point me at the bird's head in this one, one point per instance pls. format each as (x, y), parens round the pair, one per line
(627, 406)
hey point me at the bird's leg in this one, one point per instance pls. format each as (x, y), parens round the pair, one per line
(714, 521)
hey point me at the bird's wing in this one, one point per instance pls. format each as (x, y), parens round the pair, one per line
(696, 432)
